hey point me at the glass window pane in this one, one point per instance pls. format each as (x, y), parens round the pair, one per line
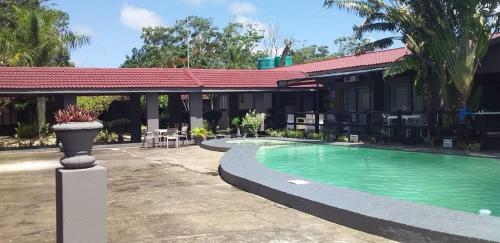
(400, 98)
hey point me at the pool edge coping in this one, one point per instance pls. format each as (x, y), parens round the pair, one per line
(240, 159)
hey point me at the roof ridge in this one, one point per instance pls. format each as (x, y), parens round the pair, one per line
(341, 57)
(195, 79)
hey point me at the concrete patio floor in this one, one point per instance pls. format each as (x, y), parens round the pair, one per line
(156, 195)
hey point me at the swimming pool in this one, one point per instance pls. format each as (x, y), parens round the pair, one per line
(451, 181)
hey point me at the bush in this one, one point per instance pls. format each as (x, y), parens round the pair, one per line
(275, 133)
(343, 139)
(251, 123)
(97, 104)
(27, 131)
(106, 136)
(294, 134)
(236, 123)
(315, 135)
(212, 117)
(199, 132)
(120, 127)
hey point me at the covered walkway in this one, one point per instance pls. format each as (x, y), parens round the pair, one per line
(68, 83)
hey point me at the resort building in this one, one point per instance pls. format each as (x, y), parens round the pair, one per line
(349, 91)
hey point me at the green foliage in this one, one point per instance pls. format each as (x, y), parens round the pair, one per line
(429, 140)
(349, 45)
(236, 122)
(106, 137)
(209, 47)
(448, 38)
(294, 134)
(251, 123)
(342, 139)
(199, 132)
(212, 117)
(27, 131)
(315, 135)
(97, 104)
(36, 35)
(472, 146)
(275, 133)
(120, 127)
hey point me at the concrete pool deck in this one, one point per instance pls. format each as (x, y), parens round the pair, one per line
(156, 195)
(384, 216)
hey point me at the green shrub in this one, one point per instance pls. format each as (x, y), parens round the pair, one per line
(120, 127)
(27, 131)
(199, 132)
(275, 133)
(294, 134)
(106, 137)
(343, 139)
(251, 123)
(315, 135)
(97, 104)
(212, 117)
(236, 123)
(329, 136)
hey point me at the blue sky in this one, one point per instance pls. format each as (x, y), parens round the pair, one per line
(114, 25)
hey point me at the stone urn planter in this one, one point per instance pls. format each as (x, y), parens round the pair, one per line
(77, 139)
(76, 129)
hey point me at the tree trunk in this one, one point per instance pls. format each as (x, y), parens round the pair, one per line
(40, 109)
(288, 46)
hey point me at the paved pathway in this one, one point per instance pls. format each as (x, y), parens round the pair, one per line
(157, 195)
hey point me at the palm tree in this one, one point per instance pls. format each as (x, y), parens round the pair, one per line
(37, 37)
(446, 37)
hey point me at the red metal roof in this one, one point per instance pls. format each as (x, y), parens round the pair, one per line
(113, 78)
(228, 78)
(368, 59)
(89, 78)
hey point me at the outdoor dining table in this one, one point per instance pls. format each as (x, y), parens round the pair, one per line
(163, 135)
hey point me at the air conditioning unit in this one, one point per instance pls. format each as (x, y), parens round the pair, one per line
(351, 79)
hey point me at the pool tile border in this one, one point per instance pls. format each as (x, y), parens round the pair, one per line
(390, 218)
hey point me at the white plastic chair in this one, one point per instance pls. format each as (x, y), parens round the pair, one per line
(172, 134)
(149, 138)
(183, 134)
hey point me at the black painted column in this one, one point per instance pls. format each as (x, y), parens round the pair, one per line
(174, 110)
(135, 119)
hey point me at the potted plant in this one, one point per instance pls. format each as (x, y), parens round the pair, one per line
(76, 129)
(198, 135)
(251, 123)
(236, 123)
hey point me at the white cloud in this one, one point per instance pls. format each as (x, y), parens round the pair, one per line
(199, 3)
(82, 30)
(257, 24)
(137, 18)
(242, 8)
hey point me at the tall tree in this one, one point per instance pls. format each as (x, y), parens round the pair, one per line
(32, 34)
(233, 47)
(452, 51)
(349, 45)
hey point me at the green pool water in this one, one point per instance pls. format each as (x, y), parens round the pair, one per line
(456, 182)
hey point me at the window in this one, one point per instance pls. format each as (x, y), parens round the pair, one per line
(363, 99)
(223, 102)
(400, 99)
(349, 100)
(418, 101)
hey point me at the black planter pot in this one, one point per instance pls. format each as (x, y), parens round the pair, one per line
(197, 140)
(77, 139)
